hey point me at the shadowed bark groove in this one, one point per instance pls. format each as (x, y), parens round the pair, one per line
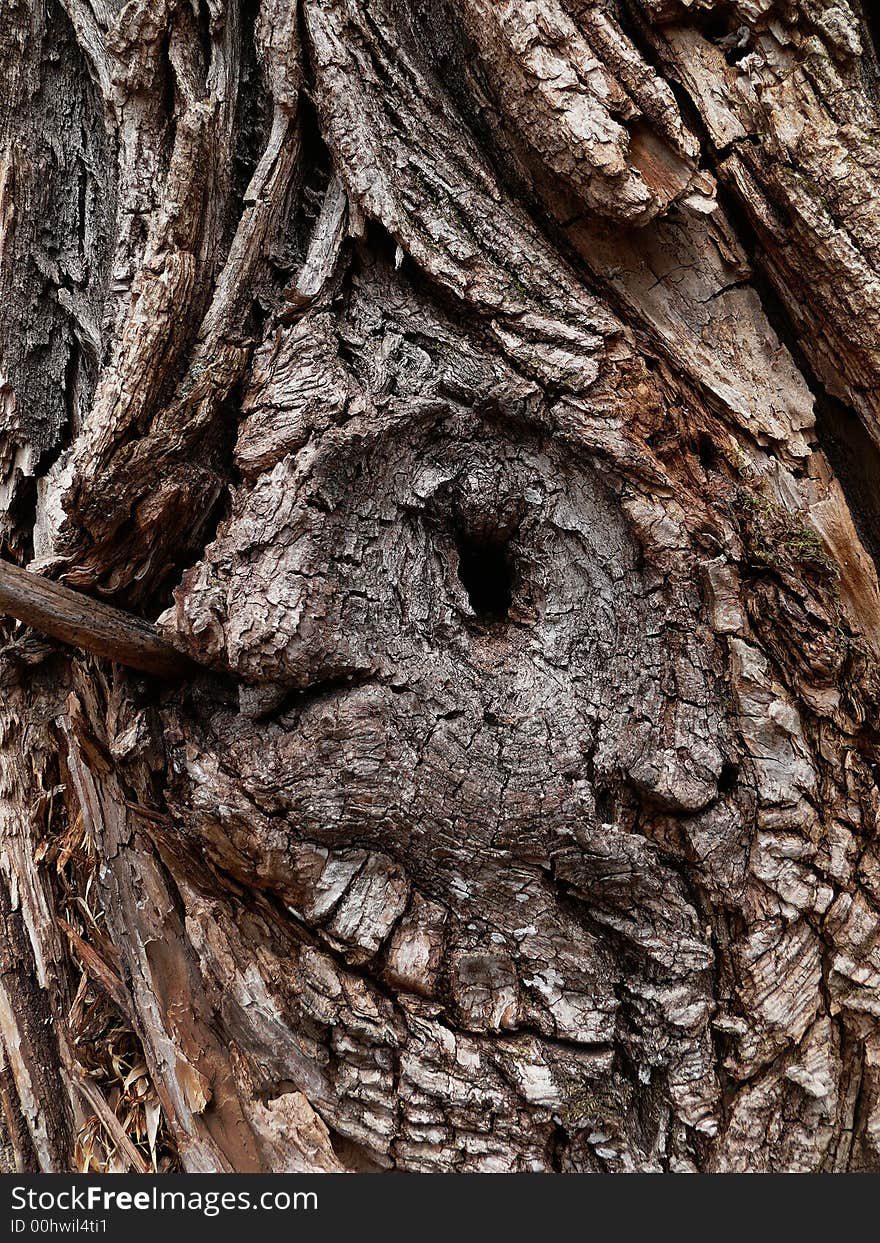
(434, 389)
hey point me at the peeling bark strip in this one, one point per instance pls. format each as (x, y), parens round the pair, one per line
(88, 624)
(457, 380)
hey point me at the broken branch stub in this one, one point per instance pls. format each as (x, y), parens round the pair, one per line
(86, 623)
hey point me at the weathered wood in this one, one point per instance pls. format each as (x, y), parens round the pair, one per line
(489, 393)
(91, 625)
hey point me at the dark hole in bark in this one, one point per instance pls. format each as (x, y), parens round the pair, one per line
(735, 54)
(604, 806)
(486, 573)
(722, 27)
(707, 452)
(716, 23)
(728, 777)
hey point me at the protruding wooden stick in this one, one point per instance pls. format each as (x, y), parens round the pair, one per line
(90, 624)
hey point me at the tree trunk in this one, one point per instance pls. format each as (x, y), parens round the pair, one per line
(484, 398)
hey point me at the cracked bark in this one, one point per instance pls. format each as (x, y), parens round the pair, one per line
(484, 398)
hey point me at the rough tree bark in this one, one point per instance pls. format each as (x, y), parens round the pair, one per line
(485, 397)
